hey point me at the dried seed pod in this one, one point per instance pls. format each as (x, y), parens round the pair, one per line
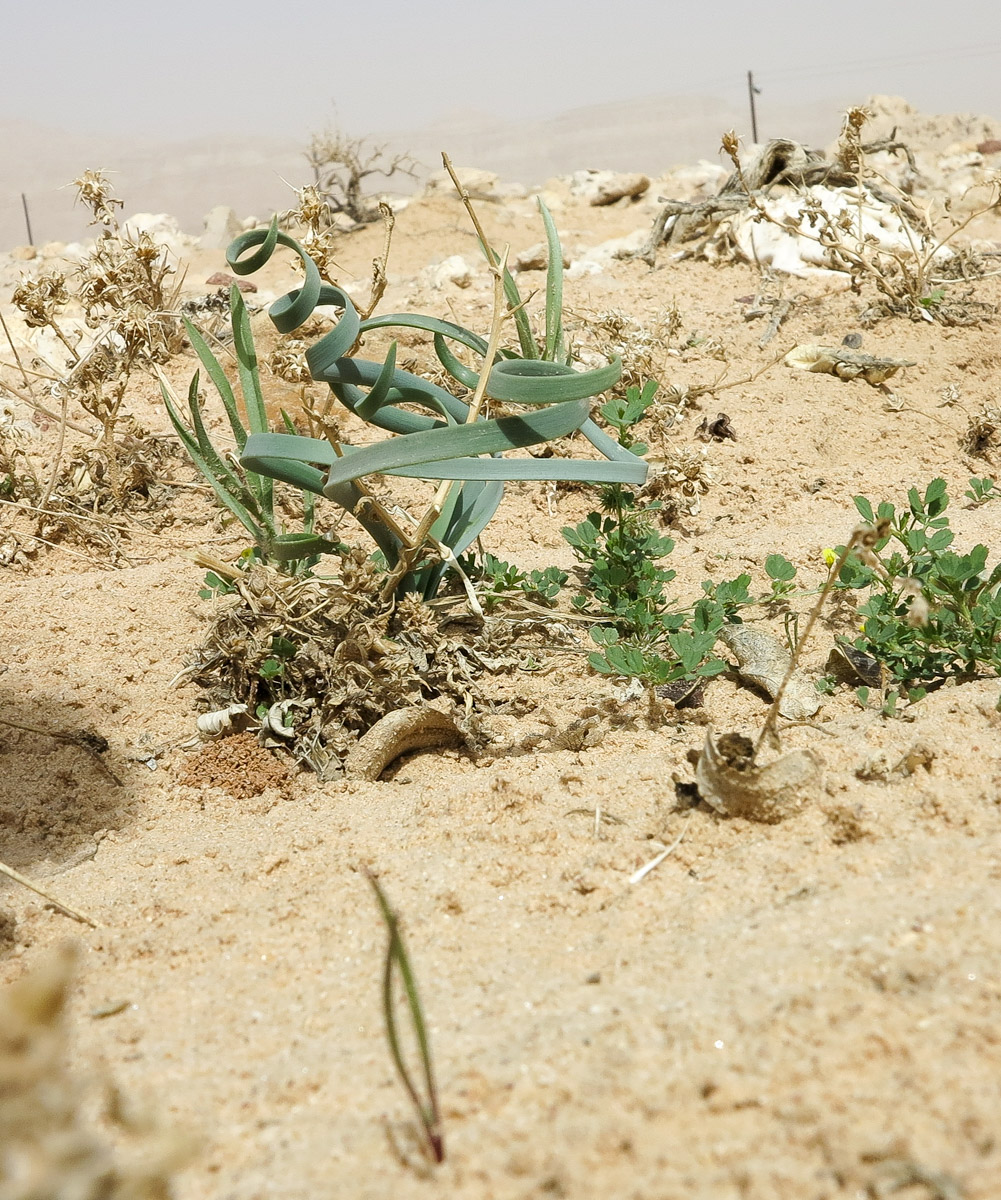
(416, 728)
(845, 363)
(764, 660)
(222, 721)
(729, 780)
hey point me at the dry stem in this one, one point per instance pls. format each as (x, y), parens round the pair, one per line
(63, 907)
(380, 264)
(768, 729)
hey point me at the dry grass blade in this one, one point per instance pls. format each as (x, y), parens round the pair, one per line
(655, 862)
(24, 881)
(426, 1105)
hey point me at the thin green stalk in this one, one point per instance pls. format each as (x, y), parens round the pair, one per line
(426, 1105)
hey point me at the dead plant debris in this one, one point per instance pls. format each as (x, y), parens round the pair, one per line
(343, 656)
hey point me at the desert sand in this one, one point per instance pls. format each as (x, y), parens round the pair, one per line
(800, 1011)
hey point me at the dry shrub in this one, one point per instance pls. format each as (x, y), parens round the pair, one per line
(983, 433)
(341, 164)
(329, 659)
(288, 360)
(601, 336)
(123, 288)
(314, 219)
(679, 480)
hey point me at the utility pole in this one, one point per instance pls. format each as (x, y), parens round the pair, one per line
(752, 91)
(27, 218)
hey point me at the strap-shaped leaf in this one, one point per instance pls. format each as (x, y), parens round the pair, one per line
(535, 381)
(346, 374)
(250, 385)
(379, 393)
(436, 446)
(246, 363)
(222, 385)
(453, 365)
(448, 329)
(476, 504)
(221, 470)
(308, 496)
(415, 455)
(230, 501)
(609, 447)
(554, 351)
(290, 311)
(526, 339)
(458, 527)
(340, 339)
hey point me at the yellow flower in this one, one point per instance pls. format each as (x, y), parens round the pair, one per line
(829, 556)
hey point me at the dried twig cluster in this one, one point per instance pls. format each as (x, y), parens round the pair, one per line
(126, 294)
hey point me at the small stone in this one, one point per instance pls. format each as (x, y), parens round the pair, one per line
(476, 182)
(221, 279)
(24, 253)
(536, 258)
(599, 188)
(991, 146)
(453, 270)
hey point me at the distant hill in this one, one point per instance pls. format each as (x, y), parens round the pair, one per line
(187, 178)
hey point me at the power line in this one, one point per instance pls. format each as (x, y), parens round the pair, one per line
(848, 67)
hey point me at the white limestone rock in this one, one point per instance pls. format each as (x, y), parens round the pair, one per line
(221, 226)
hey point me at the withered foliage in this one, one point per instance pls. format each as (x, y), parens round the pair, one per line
(288, 360)
(125, 292)
(983, 433)
(678, 480)
(340, 166)
(336, 658)
(314, 217)
(612, 333)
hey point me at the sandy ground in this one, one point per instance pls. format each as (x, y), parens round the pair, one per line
(792, 1012)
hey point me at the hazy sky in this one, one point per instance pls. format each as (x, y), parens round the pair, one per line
(183, 68)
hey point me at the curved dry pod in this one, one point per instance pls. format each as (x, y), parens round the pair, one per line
(739, 788)
(416, 728)
(221, 721)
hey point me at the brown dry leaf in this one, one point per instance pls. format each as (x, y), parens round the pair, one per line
(763, 660)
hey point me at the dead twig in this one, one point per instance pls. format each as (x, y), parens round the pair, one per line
(91, 743)
(59, 904)
(656, 861)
